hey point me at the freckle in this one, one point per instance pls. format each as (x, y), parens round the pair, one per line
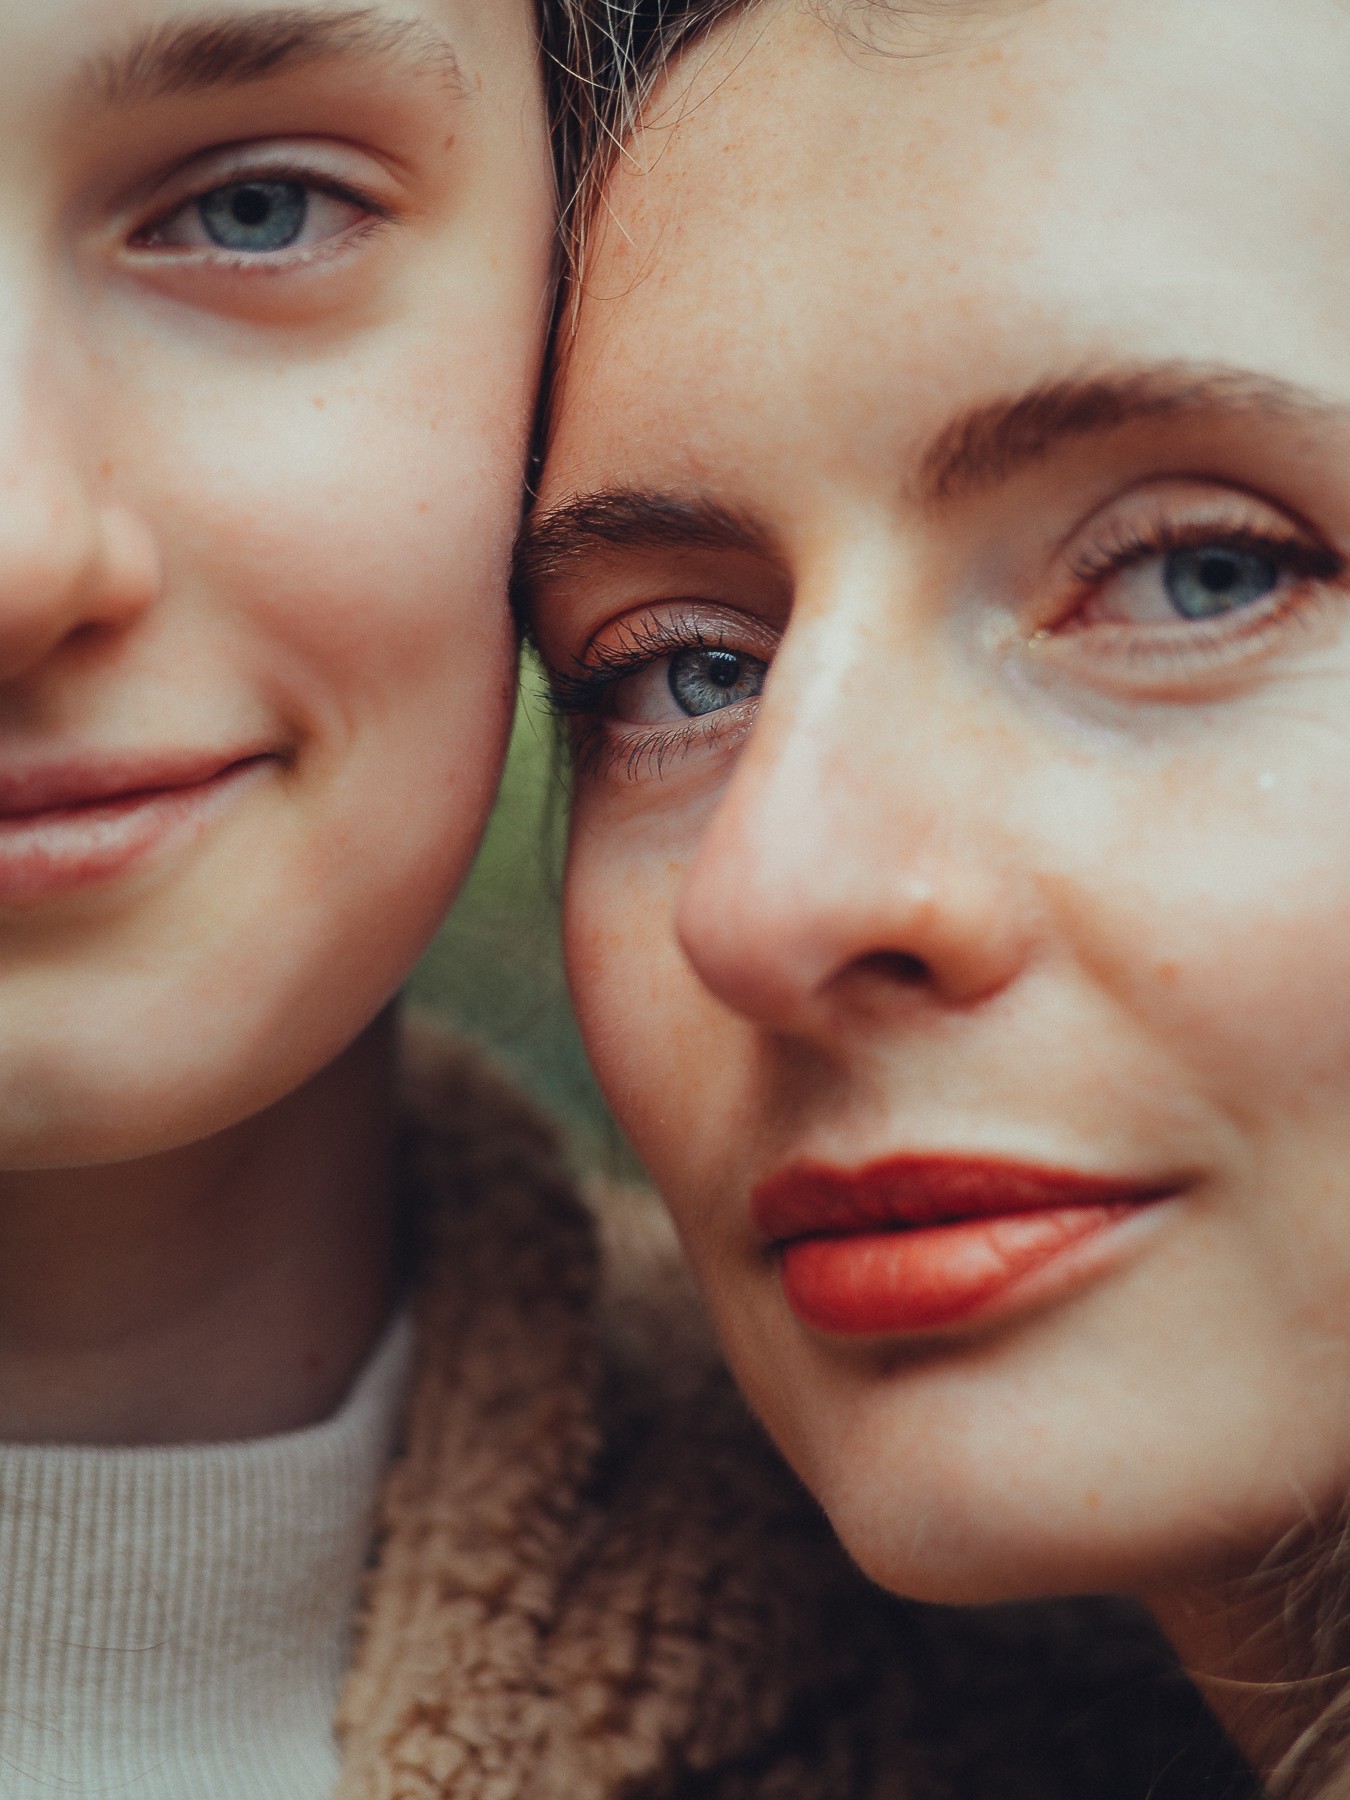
(449, 143)
(105, 469)
(1092, 1500)
(1167, 973)
(319, 403)
(424, 506)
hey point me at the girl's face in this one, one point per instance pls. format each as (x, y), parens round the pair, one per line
(273, 283)
(945, 551)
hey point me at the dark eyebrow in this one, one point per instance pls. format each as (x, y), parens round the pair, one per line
(624, 519)
(226, 49)
(998, 439)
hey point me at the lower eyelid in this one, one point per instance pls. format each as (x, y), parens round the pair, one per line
(1181, 662)
(644, 755)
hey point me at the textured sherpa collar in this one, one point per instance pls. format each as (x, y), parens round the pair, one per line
(557, 1608)
(447, 1693)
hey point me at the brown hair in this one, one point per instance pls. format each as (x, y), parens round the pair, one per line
(603, 58)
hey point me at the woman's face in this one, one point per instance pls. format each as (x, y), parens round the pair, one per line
(273, 284)
(978, 992)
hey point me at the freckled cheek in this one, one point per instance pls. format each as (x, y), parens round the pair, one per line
(1249, 1011)
(337, 475)
(361, 573)
(1233, 947)
(1275, 1011)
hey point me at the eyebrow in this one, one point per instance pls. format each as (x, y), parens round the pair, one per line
(225, 49)
(998, 439)
(624, 519)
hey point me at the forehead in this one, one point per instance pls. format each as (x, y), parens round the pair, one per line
(850, 238)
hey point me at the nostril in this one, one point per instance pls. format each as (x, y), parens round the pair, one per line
(897, 966)
(91, 631)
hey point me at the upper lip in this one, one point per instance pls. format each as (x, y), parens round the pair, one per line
(811, 1199)
(93, 780)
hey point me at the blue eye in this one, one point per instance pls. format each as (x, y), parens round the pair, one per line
(704, 680)
(1211, 579)
(254, 215)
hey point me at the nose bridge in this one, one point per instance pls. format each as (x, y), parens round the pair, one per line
(61, 547)
(849, 754)
(42, 485)
(860, 827)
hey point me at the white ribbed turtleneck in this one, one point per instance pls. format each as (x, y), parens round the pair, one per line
(174, 1622)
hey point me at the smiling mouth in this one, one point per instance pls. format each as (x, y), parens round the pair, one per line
(71, 825)
(919, 1243)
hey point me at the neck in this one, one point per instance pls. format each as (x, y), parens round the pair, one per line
(229, 1289)
(1268, 1649)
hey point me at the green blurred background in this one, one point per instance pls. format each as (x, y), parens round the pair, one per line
(494, 971)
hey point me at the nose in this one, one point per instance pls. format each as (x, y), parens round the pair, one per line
(856, 865)
(73, 561)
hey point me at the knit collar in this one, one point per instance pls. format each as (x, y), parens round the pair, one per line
(176, 1620)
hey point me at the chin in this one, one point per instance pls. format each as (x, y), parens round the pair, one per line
(88, 1107)
(976, 1550)
(116, 1072)
(985, 1525)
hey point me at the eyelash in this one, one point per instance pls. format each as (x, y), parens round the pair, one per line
(579, 696)
(1131, 545)
(584, 688)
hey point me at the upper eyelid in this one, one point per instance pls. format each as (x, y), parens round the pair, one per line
(1221, 492)
(276, 158)
(1149, 520)
(666, 635)
(339, 190)
(1099, 560)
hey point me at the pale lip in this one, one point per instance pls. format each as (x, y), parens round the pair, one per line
(69, 824)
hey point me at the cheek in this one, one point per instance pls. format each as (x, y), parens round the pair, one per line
(351, 542)
(351, 503)
(1225, 937)
(1231, 936)
(650, 1031)
(358, 519)
(353, 573)
(616, 933)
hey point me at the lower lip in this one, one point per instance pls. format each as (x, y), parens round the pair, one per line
(924, 1279)
(68, 848)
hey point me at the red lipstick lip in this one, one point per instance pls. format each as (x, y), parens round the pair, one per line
(816, 1200)
(913, 1244)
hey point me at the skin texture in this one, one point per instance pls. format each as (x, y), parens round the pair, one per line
(252, 503)
(1008, 860)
